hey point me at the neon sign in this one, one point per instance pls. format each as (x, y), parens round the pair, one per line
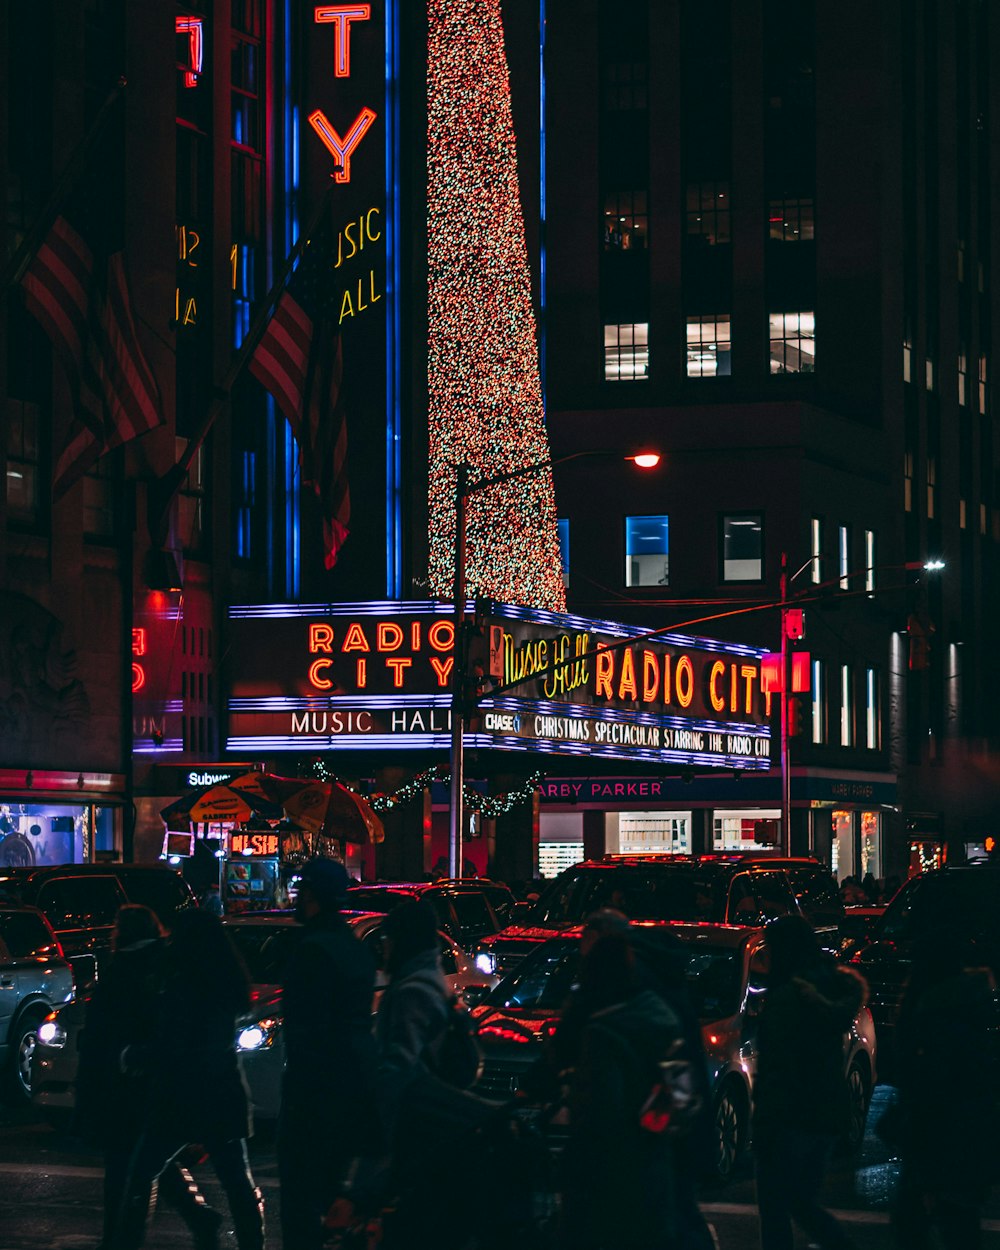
(249, 844)
(378, 676)
(138, 670)
(192, 27)
(341, 16)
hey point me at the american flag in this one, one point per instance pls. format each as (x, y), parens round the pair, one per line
(82, 302)
(299, 360)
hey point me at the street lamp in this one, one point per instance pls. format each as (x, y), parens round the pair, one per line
(464, 490)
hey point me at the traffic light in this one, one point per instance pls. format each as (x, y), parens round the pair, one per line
(794, 717)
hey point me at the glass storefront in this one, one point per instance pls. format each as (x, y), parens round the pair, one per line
(740, 831)
(857, 844)
(654, 833)
(40, 834)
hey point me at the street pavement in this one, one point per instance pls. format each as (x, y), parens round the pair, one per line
(50, 1194)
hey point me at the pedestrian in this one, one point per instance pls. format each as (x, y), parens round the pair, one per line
(945, 1128)
(328, 1107)
(197, 1093)
(111, 1105)
(430, 1118)
(618, 1177)
(801, 1099)
(851, 893)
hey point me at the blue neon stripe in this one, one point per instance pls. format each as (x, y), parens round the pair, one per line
(393, 328)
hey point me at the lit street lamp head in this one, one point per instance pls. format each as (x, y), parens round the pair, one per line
(645, 459)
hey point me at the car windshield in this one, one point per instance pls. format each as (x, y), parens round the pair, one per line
(362, 899)
(680, 891)
(544, 980)
(968, 901)
(265, 949)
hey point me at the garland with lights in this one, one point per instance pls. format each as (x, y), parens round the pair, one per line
(489, 806)
(484, 388)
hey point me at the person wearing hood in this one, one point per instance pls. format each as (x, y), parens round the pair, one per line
(945, 1129)
(328, 1102)
(801, 1098)
(618, 1181)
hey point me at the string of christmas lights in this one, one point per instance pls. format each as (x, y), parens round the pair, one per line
(485, 399)
(488, 805)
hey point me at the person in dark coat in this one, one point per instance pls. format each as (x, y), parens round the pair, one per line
(618, 1182)
(197, 1092)
(111, 1105)
(946, 1128)
(329, 1114)
(430, 1122)
(801, 1098)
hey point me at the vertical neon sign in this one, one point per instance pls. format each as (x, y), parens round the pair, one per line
(192, 26)
(341, 16)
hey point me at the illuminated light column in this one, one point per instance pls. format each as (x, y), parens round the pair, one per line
(485, 400)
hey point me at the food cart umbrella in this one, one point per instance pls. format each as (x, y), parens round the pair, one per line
(223, 803)
(327, 808)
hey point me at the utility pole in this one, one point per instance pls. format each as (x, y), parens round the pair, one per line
(786, 706)
(458, 680)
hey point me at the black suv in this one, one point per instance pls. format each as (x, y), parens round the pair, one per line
(739, 889)
(965, 899)
(468, 909)
(80, 901)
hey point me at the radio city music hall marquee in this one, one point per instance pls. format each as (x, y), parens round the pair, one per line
(377, 675)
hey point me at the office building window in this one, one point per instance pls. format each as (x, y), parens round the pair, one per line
(624, 86)
(982, 518)
(963, 377)
(818, 706)
(816, 550)
(929, 374)
(790, 221)
(963, 514)
(982, 384)
(793, 342)
(931, 486)
(844, 556)
(709, 348)
(870, 556)
(743, 548)
(99, 500)
(907, 361)
(908, 481)
(708, 212)
(873, 727)
(625, 226)
(245, 500)
(626, 352)
(846, 707)
(563, 524)
(647, 550)
(22, 461)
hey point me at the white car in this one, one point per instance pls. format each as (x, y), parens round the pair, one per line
(265, 942)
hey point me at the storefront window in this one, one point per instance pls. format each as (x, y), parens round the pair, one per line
(871, 844)
(41, 834)
(746, 831)
(842, 848)
(646, 832)
(553, 857)
(647, 550)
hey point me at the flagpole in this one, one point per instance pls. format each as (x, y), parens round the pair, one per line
(15, 268)
(163, 489)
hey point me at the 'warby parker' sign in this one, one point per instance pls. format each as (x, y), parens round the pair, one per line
(378, 675)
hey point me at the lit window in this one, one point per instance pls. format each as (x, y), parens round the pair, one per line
(790, 221)
(709, 349)
(626, 352)
(870, 552)
(908, 481)
(872, 719)
(846, 707)
(931, 485)
(818, 710)
(743, 548)
(844, 556)
(563, 524)
(625, 226)
(647, 550)
(963, 378)
(982, 384)
(907, 361)
(929, 374)
(793, 342)
(708, 212)
(963, 514)
(982, 518)
(816, 550)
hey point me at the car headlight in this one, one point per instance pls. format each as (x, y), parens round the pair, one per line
(486, 963)
(257, 1036)
(51, 1032)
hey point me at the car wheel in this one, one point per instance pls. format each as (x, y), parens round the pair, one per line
(858, 1098)
(23, 1043)
(730, 1128)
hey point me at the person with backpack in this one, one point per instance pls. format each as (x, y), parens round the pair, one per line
(618, 1191)
(427, 1058)
(329, 1110)
(801, 1097)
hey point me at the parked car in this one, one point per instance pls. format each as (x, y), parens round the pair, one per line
(35, 978)
(725, 973)
(857, 928)
(81, 901)
(266, 943)
(469, 908)
(741, 889)
(966, 899)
